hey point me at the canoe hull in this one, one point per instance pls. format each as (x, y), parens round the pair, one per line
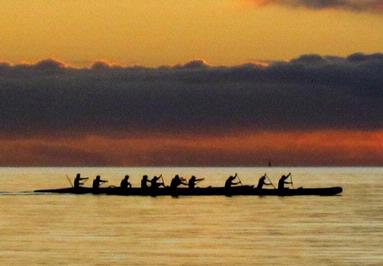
(208, 191)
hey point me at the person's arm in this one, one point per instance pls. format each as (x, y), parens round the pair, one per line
(199, 179)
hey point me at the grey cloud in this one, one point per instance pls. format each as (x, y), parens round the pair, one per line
(194, 64)
(353, 5)
(311, 92)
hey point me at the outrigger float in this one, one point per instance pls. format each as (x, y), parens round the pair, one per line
(206, 191)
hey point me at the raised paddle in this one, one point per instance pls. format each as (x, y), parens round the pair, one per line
(292, 184)
(70, 182)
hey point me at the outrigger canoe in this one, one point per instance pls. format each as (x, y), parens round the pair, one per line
(207, 191)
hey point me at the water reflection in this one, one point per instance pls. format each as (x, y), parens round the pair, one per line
(88, 229)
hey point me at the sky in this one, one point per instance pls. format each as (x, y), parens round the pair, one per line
(191, 83)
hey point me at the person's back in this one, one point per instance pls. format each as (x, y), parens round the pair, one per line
(261, 182)
(97, 181)
(176, 181)
(192, 182)
(77, 181)
(229, 181)
(125, 183)
(144, 182)
(282, 181)
(153, 182)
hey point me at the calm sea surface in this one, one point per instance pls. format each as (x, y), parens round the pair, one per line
(111, 230)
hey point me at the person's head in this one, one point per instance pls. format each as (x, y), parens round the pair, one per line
(177, 176)
(193, 177)
(126, 177)
(145, 177)
(78, 175)
(98, 177)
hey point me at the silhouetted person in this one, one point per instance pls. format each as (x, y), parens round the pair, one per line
(154, 184)
(97, 181)
(77, 181)
(176, 181)
(193, 181)
(282, 181)
(262, 182)
(125, 183)
(230, 181)
(144, 182)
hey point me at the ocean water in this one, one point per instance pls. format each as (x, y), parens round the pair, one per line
(111, 230)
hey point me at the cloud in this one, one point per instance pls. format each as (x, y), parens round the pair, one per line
(308, 93)
(352, 5)
(198, 63)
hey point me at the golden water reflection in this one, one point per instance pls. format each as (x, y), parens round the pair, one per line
(111, 230)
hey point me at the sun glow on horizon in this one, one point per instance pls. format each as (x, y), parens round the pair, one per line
(331, 148)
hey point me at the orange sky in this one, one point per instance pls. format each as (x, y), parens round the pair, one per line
(294, 149)
(168, 32)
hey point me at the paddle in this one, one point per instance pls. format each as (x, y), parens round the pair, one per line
(70, 181)
(239, 179)
(270, 181)
(183, 181)
(292, 184)
(163, 182)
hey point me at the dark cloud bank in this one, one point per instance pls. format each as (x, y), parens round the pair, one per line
(307, 93)
(352, 5)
